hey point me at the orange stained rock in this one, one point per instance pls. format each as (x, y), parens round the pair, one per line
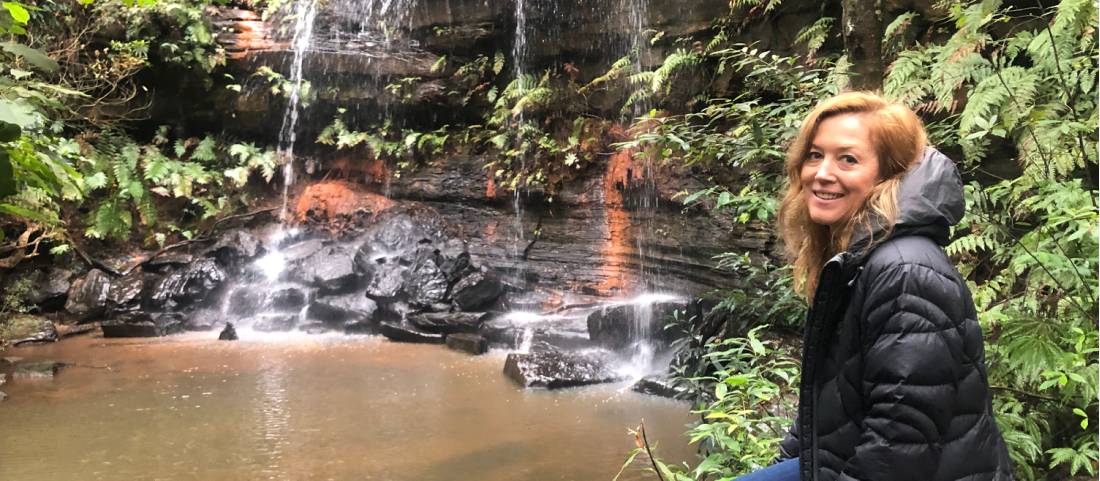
(331, 199)
(615, 252)
(491, 187)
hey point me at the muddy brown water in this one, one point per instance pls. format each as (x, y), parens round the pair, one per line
(298, 407)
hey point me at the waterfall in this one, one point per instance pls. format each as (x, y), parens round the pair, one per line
(305, 11)
(519, 61)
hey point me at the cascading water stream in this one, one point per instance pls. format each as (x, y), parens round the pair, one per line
(305, 12)
(519, 60)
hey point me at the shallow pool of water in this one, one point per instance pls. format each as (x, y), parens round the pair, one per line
(297, 407)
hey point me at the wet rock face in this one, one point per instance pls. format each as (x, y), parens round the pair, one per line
(425, 283)
(406, 333)
(331, 269)
(246, 301)
(468, 343)
(448, 322)
(347, 309)
(88, 296)
(201, 320)
(143, 325)
(53, 287)
(618, 327)
(659, 385)
(183, 288)
(287, 299)
(553, 368)
(124, 294)
(477, 291)
(235, 247)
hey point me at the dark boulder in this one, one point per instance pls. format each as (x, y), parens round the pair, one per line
(361, 327)
(512, 330)
(348, 308)
(385, 278)
(622, 325)
(447, 322)
(287, 299)
(331, 269)
(202, 320)
(166, 262)
(246, 301)
(403, 227)
(301, 250)
(553, 369)
(658, 385)
(192, 285)
(124, 294)
(51, 288)
(88, 296)
(274, 322)
(235, 247)
(453, 259)
(425, 284)
(407, 333)
(469, 343)
(140, 324)
(229, 333)
(477, 291)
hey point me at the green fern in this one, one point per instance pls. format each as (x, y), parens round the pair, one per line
(814, 35)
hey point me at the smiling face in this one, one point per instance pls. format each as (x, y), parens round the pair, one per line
(840, 170)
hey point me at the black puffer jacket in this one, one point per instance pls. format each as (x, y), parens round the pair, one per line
(893, 373)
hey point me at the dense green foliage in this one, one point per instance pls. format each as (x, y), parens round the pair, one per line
(72, 94)
(1011, 93)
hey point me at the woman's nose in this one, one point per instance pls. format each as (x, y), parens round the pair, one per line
(825, 170)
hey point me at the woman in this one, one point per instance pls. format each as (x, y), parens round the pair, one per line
(894, 384)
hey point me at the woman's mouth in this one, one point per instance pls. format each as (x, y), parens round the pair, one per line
(827, 195)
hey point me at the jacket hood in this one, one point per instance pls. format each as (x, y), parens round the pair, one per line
(930, 201)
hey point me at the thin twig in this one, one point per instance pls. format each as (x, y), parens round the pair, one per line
(649, 452)
(1021, 392)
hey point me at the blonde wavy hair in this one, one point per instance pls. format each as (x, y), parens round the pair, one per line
(899, 139)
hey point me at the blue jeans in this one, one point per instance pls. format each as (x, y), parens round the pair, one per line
(786, 470)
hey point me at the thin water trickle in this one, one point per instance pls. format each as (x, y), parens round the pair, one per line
(305, 11)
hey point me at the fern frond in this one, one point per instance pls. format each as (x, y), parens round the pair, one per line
(813, 36)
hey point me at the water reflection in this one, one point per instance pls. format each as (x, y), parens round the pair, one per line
(273, 417)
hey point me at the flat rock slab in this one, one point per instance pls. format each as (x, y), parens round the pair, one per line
(407, 333)
(659, 386)
(39, 370)
(127, 329)
(76, 330)
(469, 343)
(448, 322)
(554, 369)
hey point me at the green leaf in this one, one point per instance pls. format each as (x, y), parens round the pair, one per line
(33, 56)
(17, 211)
(17, 112)
(18, 12)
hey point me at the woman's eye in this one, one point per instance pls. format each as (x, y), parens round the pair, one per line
(847, 159)
(815, 156)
